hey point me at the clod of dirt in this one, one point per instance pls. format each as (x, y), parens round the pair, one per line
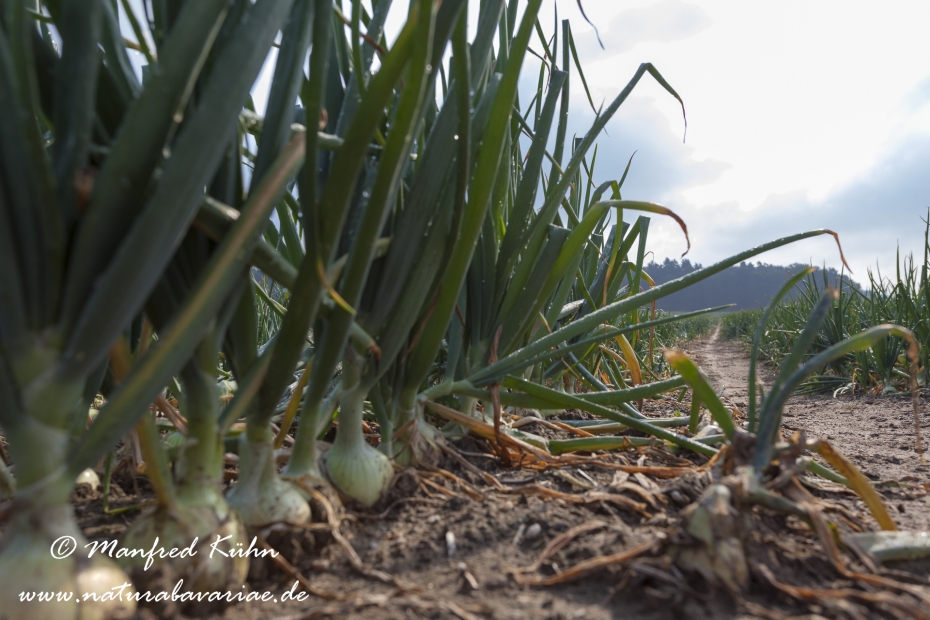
(718, 551)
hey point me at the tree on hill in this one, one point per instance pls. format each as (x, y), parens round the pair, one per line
(748, 285)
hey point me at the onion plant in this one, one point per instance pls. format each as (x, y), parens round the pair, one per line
(474, 278)
(197, 508)
(260, 496)
(100, 179)
(394, 211)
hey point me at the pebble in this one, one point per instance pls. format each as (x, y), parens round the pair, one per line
(533, 532)
(709, 430)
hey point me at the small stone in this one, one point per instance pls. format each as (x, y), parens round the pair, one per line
(533, 532)
(450, 544)
(496, 583)
(708, 431)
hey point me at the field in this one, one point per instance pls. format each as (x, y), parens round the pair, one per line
(883, 368)
(385, 349)
(597, 508)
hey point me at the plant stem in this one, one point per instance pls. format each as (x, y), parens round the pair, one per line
(38, 451)
(305, 456)
(350, 433)
(199, 465)
(156, 464)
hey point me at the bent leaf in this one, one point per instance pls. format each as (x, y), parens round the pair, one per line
(859, 483)
(893, 545)
(702, 389)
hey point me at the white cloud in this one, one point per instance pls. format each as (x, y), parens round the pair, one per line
(669, 20)
(874, 215)
(801, 115)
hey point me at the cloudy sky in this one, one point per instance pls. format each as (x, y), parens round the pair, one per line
(801, 115)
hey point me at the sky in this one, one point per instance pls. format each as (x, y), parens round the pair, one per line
(801, 115)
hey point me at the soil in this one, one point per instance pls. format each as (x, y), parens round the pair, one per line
(450, 541)
(876, 432)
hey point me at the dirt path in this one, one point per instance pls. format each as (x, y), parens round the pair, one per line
(728, 368)
(875, 432)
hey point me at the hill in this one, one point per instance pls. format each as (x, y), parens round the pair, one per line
(748, 285)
